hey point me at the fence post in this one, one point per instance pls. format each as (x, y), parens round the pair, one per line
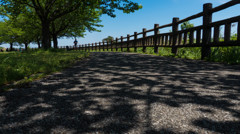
(144, 40)
(121, 43)
(135, 41)
(107, 45)
(156, 32)
(116, 44)
(103, 45)
(174, 34)
(99, 48)
(89, 47)
(111, 46)
(95, 46)
(92, 46)
(207, 19)
(128, 40)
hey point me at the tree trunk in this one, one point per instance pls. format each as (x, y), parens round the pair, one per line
(55, 41)
(46, 36)
(11, 46)
(54, 36)
(38, 42)
(26, 46)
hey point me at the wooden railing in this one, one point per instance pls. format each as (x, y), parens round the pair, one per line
(200, 36)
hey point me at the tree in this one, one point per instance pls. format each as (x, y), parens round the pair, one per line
(30, 29)
(75, 24)
(186, 25)
(9, 33)
(48, 11)
(108, 39)
(27, 24)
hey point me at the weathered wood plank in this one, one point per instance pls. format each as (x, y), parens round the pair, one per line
(185, 38)
(191, 37)
(216, 33)
(227, 32)
(144, 39)
(199, 32)
(207, 19)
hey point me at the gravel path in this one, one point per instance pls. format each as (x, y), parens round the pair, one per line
(128, 93)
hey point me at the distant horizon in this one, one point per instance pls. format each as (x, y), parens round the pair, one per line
(152, 13)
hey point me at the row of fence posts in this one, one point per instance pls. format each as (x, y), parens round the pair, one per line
(206, 38)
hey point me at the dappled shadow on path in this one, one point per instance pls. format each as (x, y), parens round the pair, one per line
(128, 93)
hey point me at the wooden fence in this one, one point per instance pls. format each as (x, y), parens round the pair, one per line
(200, 36)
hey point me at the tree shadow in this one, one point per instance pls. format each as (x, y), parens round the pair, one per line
(124, 93)
(218, 126)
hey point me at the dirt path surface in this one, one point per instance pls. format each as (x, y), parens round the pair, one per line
(128, 93)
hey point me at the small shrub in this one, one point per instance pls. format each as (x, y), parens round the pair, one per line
(229, 55)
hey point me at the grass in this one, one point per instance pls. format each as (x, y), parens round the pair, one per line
(28, 66)
(228, 55)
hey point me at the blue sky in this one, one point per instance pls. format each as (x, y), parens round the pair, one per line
(154, 12)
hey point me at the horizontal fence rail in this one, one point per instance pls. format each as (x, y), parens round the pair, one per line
(199, 36)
